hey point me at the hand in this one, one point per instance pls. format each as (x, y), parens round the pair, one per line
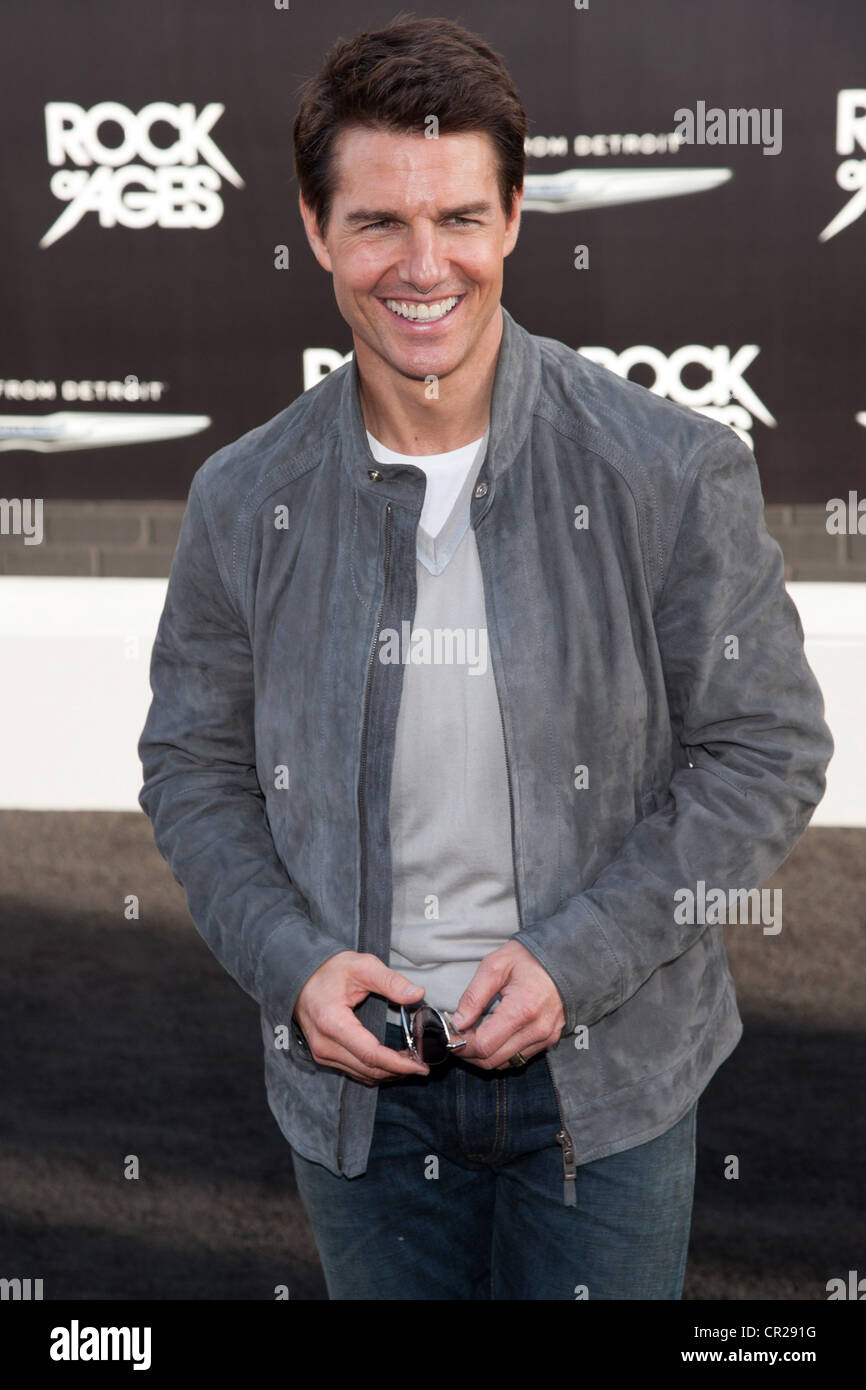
(529, 1019)
(336, 1037)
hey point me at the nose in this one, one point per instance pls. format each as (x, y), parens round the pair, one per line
(423, 264)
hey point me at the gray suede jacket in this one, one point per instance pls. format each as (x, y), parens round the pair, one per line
(622, 546)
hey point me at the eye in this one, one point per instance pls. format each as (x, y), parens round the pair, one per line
(384, 222)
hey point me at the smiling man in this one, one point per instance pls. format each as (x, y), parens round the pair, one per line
(444, 722)
(418, 277)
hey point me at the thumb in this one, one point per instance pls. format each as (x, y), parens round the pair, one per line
(476, 996)
(381, 979)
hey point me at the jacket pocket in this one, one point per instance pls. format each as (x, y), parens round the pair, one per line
(299, 1048)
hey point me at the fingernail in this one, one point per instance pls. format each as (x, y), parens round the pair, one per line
(458, 1020)
(409, 991)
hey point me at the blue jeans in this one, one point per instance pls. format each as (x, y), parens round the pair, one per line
(463, 1198)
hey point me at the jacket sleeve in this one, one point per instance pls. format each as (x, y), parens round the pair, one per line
(201, 790)
(749, 715)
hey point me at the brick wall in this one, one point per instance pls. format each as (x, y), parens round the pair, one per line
(137, 540)
(133, 540)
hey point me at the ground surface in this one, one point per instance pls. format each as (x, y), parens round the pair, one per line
(121, 1037)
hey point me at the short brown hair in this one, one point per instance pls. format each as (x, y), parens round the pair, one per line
(393, 79)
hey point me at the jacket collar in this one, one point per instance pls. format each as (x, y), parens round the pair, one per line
(516, 385)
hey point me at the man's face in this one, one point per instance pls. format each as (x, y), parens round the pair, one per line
(416, 221)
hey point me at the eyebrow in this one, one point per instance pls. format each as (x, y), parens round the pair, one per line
(362, 215)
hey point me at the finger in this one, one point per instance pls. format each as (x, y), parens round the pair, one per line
(485, 983)
(344, 1061)
(366, 1054)
(526, 1042)
(504, 1024)
(529, 1040)
(370, 1076)
(378, 978)
(347, 1066)
(527, 1047)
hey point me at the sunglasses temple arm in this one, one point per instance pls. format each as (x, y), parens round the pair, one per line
(451, 1031)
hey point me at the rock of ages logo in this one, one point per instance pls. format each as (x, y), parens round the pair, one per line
(851, 173)
(724, 394)
(136, 182)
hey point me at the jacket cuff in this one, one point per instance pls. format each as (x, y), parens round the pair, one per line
(292, 953)
(575, 951)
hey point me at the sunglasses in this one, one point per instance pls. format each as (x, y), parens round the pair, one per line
(428, 1033)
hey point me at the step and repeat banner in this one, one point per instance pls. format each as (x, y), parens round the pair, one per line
(695, 219)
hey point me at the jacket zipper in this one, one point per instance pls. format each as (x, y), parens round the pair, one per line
(362, 905)
(563, 1138)
(569, 1167)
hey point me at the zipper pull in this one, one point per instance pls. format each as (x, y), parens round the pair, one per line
(569, 1168)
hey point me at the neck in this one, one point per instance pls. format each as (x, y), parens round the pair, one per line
(398, 413)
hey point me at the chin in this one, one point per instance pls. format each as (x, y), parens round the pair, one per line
(437, 361)
(420, 371)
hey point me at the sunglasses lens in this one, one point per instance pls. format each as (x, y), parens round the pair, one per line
(435, 1049)
(429, 1037)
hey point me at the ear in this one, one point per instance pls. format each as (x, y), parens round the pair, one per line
(512, 226)
(311, 227)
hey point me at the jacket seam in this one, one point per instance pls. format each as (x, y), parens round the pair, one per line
(516, 790)
(247, 510)
(686, 489)
(264, 946)
(353, 545)
(588, 386)
(213, 541)
(609, 945)
(716, 432)
(576, 430)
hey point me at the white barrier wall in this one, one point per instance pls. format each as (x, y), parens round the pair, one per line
(75, 690)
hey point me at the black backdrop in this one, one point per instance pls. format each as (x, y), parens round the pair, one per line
(203, 311)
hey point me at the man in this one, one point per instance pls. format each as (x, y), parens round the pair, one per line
(472, 660)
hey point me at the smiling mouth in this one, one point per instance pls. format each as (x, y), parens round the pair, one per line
(423, 314)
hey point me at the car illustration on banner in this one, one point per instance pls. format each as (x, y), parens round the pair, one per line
(92, 429)
(575, 190)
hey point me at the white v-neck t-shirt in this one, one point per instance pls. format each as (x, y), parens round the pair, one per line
(452, 867)
(446, 474)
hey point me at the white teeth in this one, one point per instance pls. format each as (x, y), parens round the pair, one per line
(422, 313)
